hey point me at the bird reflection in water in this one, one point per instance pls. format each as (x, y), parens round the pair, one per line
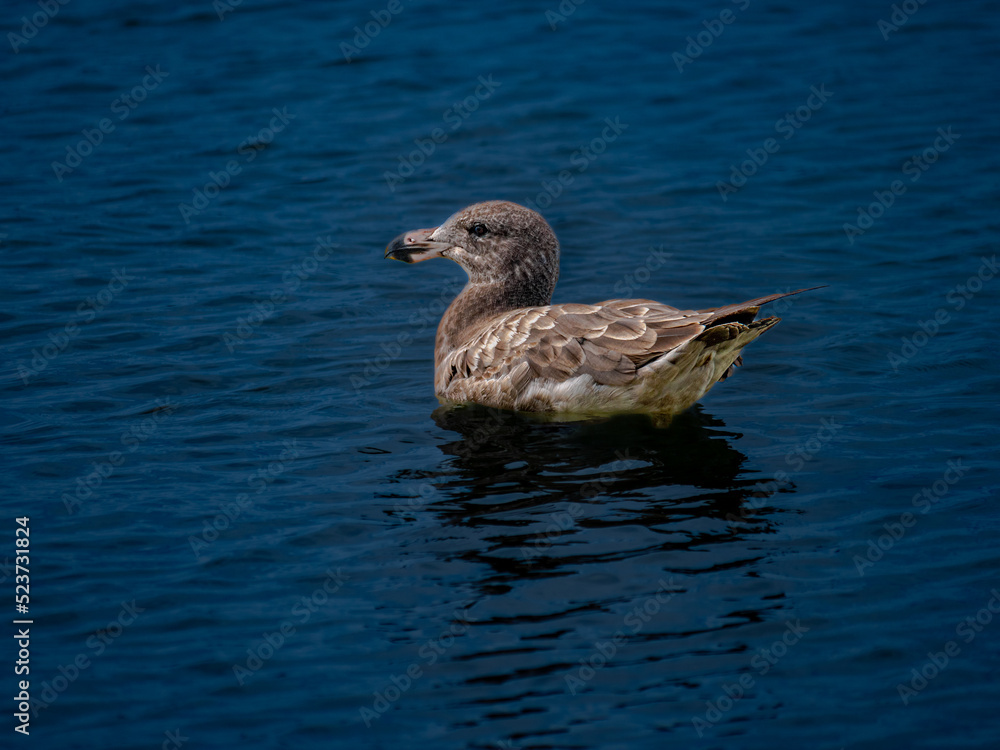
(554, 534)
(530, 485)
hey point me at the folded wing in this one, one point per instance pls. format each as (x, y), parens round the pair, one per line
(610, 341)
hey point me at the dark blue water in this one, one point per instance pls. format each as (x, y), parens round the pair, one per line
(252, 525)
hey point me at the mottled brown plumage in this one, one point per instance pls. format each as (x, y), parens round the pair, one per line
(501, 343)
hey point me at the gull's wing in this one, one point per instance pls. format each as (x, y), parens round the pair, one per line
(610, 341)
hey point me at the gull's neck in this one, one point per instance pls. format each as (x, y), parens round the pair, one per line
(485, 299)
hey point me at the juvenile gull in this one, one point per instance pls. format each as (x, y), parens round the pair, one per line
(503, 344)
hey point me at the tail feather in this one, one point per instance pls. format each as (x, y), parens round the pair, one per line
(681, 377)
(744, 312)
(718, 336)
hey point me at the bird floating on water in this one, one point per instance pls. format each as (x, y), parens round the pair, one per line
(501, 343)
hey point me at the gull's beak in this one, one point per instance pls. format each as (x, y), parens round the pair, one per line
(415, 246)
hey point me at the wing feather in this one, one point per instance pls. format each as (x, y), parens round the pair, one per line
(608, 342)
(611, 342)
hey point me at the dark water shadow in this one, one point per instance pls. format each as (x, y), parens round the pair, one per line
(523, 488)
(500, 451)
(552, 536)
(556, 534)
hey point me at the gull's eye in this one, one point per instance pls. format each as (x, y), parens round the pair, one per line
(479, 229)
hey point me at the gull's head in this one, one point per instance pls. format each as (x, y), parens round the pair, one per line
(495, 242)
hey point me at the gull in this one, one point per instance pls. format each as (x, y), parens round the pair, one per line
(503, 344)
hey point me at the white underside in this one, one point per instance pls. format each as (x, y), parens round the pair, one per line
(667, 388)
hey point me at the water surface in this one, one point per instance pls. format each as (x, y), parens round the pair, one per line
(253, 522)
